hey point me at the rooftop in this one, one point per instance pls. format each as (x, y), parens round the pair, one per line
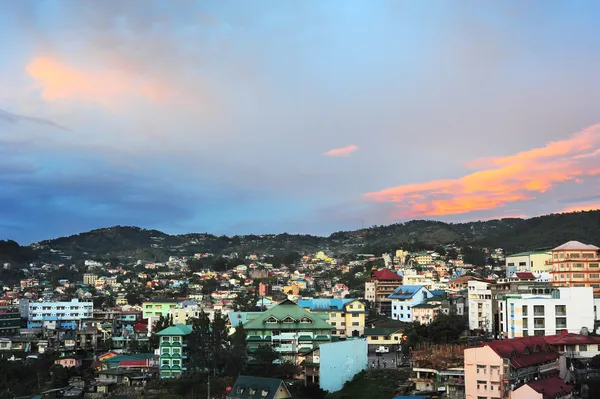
(525, 351)
(385, 274)
(406, 291)
(177, 329)
(576, 246)
(551, 388)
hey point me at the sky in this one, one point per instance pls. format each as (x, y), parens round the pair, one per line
(238, 117)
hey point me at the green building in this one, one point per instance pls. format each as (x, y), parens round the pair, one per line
(173, 350)
(288, 328)
(154, 308)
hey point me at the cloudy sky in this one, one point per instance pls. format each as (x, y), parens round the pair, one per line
(301, 116)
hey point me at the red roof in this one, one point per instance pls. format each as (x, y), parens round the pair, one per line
(385, 274)
(525, 275)
(551, 388)
(571, 339)
(525, 351)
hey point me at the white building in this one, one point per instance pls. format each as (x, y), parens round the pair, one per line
(533, 261)
(404, 298)
(482, 306)
(567, 308)
(58, 315)
(90, 278)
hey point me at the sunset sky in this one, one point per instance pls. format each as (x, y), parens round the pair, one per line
(312, 116)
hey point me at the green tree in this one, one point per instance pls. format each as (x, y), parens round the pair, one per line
(199, 343)
(219, 342)
(246, 300)
(264, 356)
(238, 352)
(159, 325)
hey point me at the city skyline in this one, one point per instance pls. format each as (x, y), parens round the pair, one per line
(302, 118)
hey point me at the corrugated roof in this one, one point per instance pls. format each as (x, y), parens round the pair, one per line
(577, 246)
(177, 329)
(551, 388)
(324, 304)
(406, 291)
(385, 274)
(525, 351)
(283, 310)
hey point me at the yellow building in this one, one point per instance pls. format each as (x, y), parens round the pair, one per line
(154, 308)
(346, 315)
(423, 258)
(384, 336)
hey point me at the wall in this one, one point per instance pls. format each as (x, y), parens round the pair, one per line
(483, 356)
(340, 361)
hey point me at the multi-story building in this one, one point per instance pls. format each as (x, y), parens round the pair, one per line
(565, 309)
(173, 350)
(426, 312)
(423, 258)
(497, 368)
(154, 308)
(482, 306)
(404, 298)
(10, 321)
(379, 287)
(59, 315)
(346, 315)
(90, 279)
(288, 329)
(575, 264)
(533, 261)
(385, 336)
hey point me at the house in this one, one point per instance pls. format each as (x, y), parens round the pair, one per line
(384, 336)
(172, 350)
(544, 388)
(404, 298)
(69, 361)
(247, 387)
(311, 365)
(288, 329)
(575, 264)
(426, 312)
(154, 308)
(346, 315)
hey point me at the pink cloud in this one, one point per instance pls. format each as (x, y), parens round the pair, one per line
(342, 152)
(499, 181)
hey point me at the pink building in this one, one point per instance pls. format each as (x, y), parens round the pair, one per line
(68, 362)
(553, 387)
(495, 369)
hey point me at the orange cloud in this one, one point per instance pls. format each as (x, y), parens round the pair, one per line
(501, 180)
(60, 81)
(342, 152)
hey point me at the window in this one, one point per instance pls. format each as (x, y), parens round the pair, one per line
(539, 333)
(289, 320)
(560, 310)
(578, 275)
(525, 333)
(495, 370)
(578, 265)
(176, 339)
(355, 315)
(594, 275)
(582, 348)
(593, 265)
(355, 323)
(539, 323)
(375, 338)
(305, 320)
(482, 385)
(274, 320)
(524, 310)
(332, 323)
(481, 369)
(538, 310)
(561, 322)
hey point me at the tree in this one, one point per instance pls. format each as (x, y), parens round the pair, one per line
(246, 301)
(595, 362)
(238, 352)
(219, 342)
(199, 343)
(159, 325)
(264, 356)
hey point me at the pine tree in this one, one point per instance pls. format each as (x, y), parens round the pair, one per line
(238, 352)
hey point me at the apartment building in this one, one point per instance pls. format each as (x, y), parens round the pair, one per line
(10, 321)
(575, 264)
(173, 350)
(90, 279)
(404, 298)
(534, 261)
(154, 308)
(346, 315)
(379, 287)
(496, 369)
(482, 306)
(565, 309)
(425, 313)
(58, 315)
(287, 328)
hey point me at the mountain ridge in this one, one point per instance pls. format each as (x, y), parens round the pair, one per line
(511, 234)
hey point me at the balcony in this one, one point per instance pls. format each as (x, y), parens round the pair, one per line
(544, 368)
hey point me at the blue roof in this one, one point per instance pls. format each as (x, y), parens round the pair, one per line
(405, 291)
(437, 292)
(324, 304)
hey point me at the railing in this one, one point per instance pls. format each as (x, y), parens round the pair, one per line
(548, 367)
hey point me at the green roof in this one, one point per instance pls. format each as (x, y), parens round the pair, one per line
(247, 387)
(177, 329)
(426, 306)
(382, 331)
(284, 310)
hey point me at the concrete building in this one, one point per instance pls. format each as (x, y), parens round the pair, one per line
(346, 315)
(10, 321)
(497, 368)
(340, 362)
(59, 315)
(172, 350)
(565, 309)
(90, 279)
(534, 261)
(154, 308)
(404, 298)
(482, 306)
(426, 312)
(379, 287)
(575, 264)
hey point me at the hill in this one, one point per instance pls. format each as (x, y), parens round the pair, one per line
(512, 234)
